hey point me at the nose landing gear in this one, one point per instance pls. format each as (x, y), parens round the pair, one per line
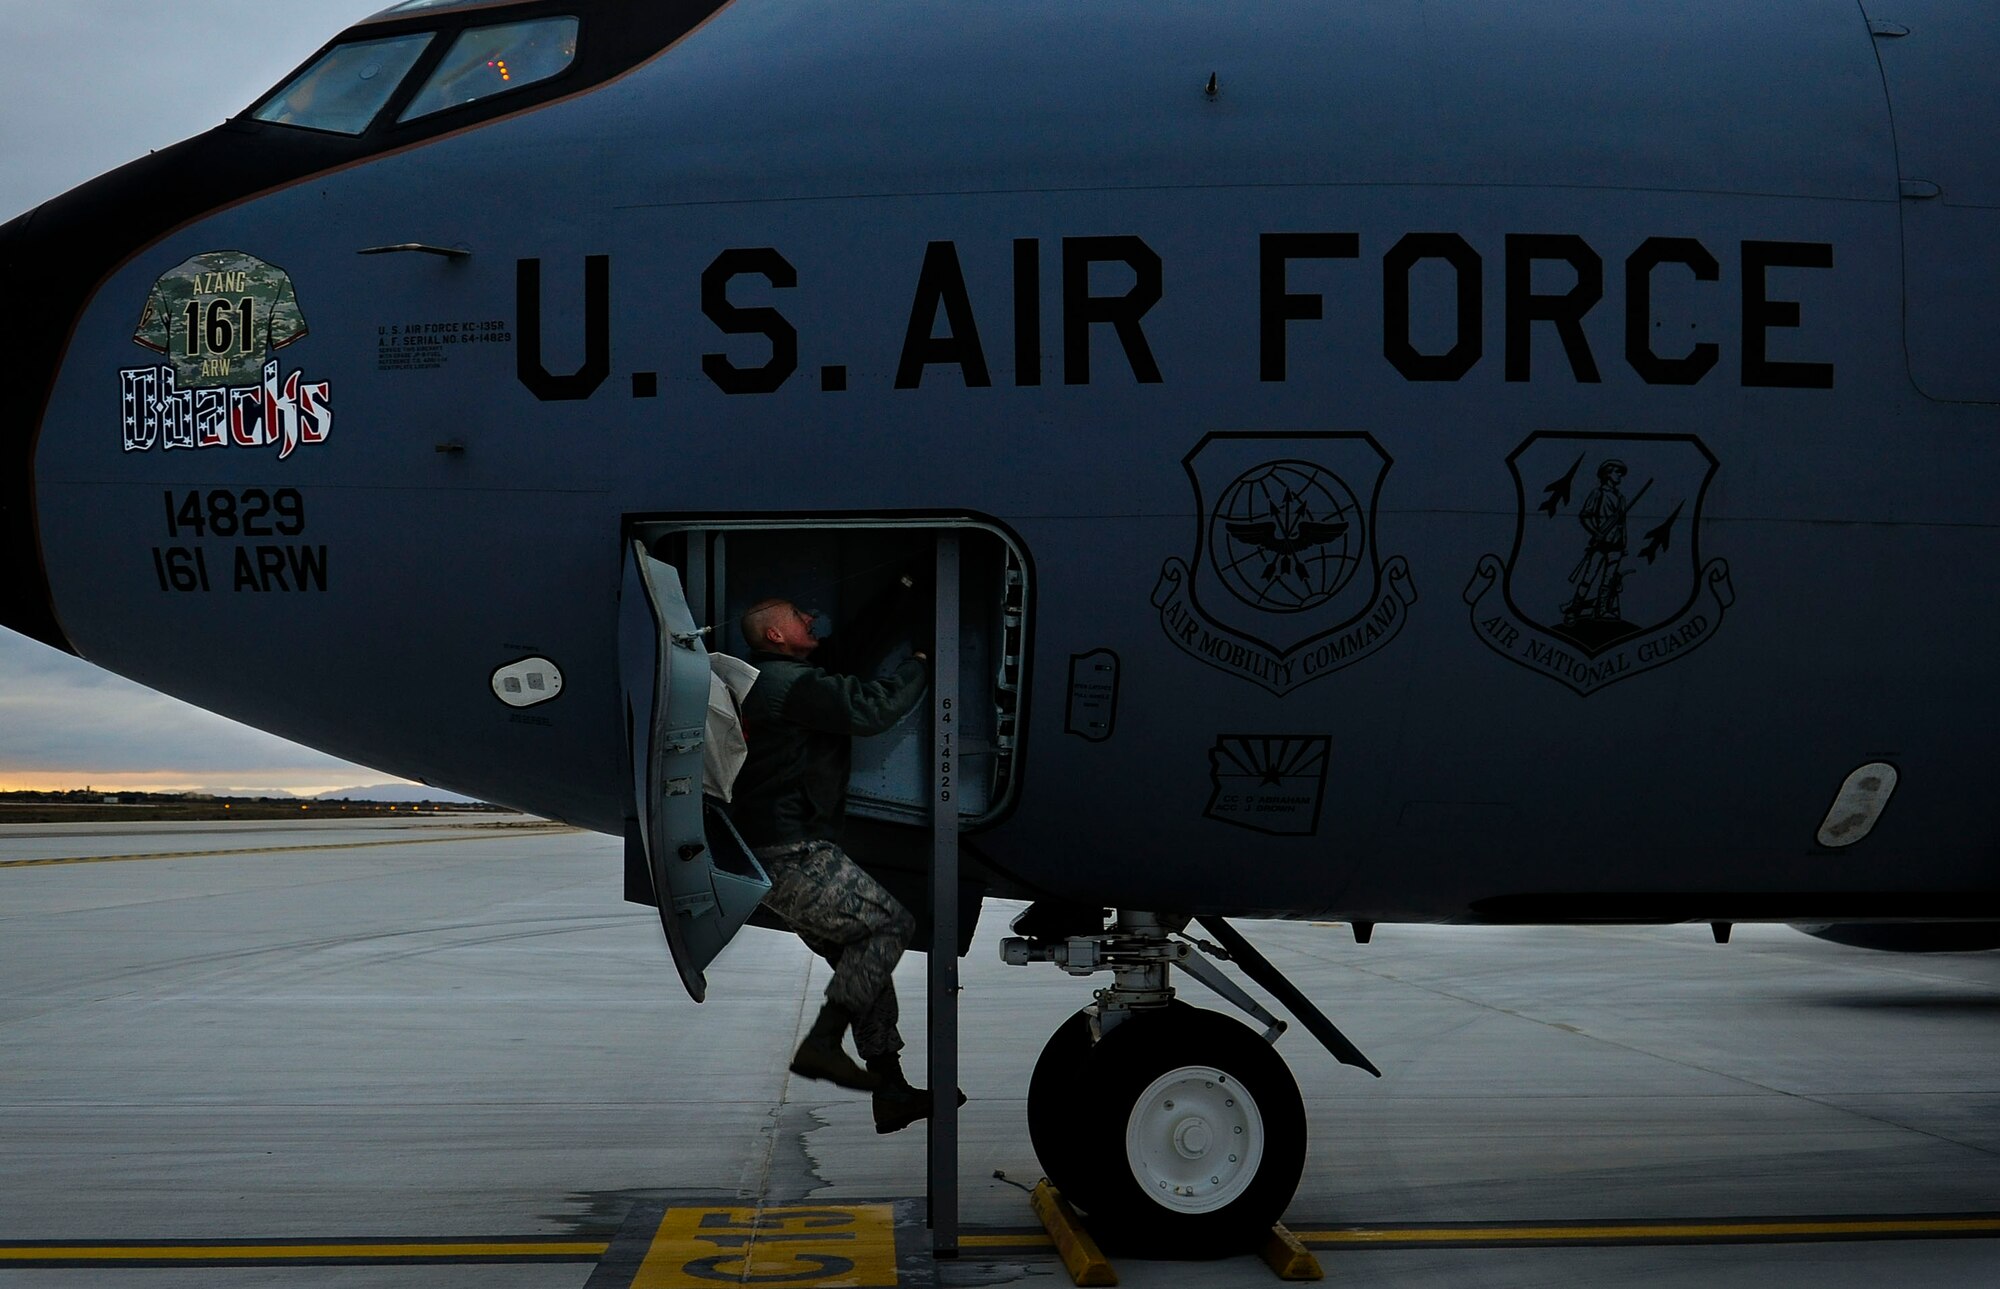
(1179, 1131)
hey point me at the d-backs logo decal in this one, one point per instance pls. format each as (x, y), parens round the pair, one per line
(216, 317)
(1605, 580)
(1287, 583)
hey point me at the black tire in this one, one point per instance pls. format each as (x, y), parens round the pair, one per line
(1056, 1100)
(1156, 1203)
(1059, 1097)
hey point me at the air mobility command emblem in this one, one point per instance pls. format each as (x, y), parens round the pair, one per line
(1288, 582)
(217, 318)
(1605, 580)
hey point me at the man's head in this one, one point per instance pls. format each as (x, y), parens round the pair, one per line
(1611, 472)
(779, 626)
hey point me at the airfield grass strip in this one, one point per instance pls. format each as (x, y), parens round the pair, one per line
(270, 850)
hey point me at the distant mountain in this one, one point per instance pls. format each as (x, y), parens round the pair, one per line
(392, 792)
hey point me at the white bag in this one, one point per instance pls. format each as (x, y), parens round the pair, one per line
(724, 750)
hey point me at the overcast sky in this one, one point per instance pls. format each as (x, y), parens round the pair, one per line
(85, 86)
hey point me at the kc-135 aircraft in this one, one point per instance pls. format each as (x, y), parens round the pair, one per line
(1463, 462)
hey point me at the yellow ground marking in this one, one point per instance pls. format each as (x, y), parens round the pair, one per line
(1085, 1262)
(289, 1252)
(848, 1246)
(1656, 1231)
(853, 1246)
(1025, 1240)
(1291, 1260)
(271, 850)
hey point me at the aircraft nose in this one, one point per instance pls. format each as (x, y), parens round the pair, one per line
(30, 343)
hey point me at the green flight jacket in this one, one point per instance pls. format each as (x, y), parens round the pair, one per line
(800, 723)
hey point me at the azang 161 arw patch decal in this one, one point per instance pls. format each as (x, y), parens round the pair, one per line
(1287, 583)
(1605, 580)
(216, 318)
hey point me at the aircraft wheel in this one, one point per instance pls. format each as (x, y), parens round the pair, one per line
(1054, 1108)
(1057, 1103)
(1192, 1137)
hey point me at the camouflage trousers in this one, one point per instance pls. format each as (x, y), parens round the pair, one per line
(846, 917)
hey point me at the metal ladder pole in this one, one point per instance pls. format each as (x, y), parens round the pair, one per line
(943, 1126)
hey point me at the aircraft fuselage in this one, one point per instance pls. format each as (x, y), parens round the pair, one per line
(1517, 468)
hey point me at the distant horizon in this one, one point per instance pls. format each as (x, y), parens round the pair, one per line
(387, 790)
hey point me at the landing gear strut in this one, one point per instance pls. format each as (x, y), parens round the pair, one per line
(1179, 1131)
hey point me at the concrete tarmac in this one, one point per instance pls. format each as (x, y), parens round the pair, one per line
(443, 1052)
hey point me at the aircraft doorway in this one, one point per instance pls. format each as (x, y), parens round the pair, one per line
(851, 572)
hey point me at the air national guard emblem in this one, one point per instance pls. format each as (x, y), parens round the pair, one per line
(1606, 579)
(1287, 583)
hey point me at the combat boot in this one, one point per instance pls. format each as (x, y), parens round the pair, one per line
(897, 1104)
(820, 1055)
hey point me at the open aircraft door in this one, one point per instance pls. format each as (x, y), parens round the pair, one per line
(705, 880)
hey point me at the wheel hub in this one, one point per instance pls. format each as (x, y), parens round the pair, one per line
(1194, 1139)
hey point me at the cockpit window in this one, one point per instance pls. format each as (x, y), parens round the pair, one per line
(494, 60)
(347, 86)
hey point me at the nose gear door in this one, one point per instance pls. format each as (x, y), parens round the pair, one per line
(705, 879)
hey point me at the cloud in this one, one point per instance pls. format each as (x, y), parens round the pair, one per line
(84, 88)
(64, 722)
